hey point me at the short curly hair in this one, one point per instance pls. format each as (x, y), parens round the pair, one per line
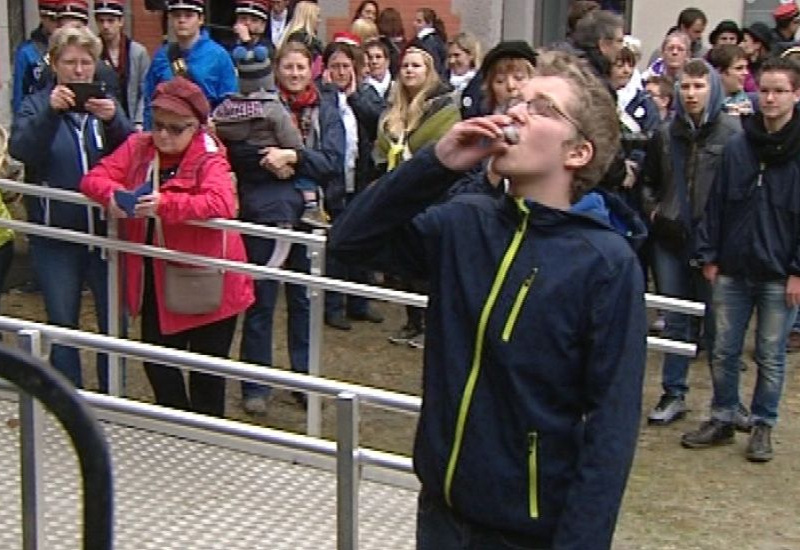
(594, 111)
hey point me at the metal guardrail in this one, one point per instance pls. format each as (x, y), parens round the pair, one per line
(350, 457)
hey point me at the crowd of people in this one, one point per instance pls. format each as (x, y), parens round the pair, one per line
(529, 193)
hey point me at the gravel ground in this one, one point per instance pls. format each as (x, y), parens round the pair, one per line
(676, 499)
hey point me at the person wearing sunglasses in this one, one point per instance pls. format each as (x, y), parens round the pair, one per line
(154, 183)
(535, 338)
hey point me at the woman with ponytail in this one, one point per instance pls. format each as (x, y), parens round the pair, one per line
(431, 32)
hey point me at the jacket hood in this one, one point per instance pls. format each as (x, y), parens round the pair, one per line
(597, 207)
(610, 210)
(716, 98)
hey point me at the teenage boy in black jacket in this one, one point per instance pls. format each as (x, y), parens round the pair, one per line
(749, 245)
(535, 344)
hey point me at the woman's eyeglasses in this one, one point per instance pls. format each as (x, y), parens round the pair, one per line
(172, 129)
(544, 106)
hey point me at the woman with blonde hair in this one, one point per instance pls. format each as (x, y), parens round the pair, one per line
(303, 28)
(463, 59)
(422, 109)
(364, 29)
(60, 135)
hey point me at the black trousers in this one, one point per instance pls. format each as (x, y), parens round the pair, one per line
(206, 392)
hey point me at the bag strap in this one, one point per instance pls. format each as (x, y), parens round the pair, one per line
(155, 173)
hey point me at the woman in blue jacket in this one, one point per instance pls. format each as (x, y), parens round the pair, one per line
(267, 195)
(59, 141)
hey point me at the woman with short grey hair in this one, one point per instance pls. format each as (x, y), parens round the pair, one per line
(60, 132)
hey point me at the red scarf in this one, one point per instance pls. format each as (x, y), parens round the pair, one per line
(299, 105)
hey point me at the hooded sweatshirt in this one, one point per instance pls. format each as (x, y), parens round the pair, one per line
(681, 162)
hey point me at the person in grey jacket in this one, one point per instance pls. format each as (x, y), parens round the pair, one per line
(127, 58)
(678, 172)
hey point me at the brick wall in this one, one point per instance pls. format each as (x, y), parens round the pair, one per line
(147, 25)
(407, 9)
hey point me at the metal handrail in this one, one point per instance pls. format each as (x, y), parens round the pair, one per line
(257, 272)
(215, 365)
(254, 229)
(651, 300)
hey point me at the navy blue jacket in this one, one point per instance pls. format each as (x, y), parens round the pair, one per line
(27, 60)
(263, 198)
(751, 226)
(58, 150)
(534, 352)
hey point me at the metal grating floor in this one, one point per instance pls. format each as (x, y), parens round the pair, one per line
(171, 493)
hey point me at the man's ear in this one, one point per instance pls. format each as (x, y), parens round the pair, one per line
(579, 155)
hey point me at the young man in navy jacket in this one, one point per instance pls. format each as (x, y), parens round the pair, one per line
(535, 344)
(749, 245)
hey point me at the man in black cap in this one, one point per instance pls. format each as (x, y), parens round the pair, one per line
(193, 55)
(726, 32)
(757, 44)
(126, 57)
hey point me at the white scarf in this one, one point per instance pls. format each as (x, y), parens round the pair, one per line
(381, 86)
(350, 143)
(459, 82)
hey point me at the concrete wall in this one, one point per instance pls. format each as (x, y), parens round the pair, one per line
(651, 19)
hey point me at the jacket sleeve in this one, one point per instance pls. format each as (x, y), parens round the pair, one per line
(651, 176)
(325, 162)
(141, 66)
(110, 174)
(227, 83)
(117, 129)
(707, 237)
(34, 128)
(616, 356)
(287, 135)
(21, 68)
(387, 225)
(212, 198)
(368, 106)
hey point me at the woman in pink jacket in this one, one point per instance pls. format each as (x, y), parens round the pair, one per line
(192, 182)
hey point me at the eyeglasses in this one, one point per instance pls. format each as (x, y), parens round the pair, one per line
(544, 106)
(172, 129)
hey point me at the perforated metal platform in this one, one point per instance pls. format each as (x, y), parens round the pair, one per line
(171, 493)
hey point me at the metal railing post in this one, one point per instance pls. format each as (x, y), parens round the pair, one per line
(115, 370)
(31, 418)
(316, 314)
(348, 471)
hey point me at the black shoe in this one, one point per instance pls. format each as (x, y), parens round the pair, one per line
(669, 409)
(369, 315)
(404, 335)
(338, 322)
(741, 419)
(710, 434)
(759, 448)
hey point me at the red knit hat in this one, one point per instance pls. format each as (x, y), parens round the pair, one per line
(182, 97)
(785, 12)
(259, 8)
(76, 9)
(347, 38)
(109, 7)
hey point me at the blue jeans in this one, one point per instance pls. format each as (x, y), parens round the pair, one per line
(676, 278)
(439, 528)
(335, 301)
(257, 328)
(61, 269)
(734, 301)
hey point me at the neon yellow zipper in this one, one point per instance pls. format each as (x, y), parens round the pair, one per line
(517, 307)
(472, 379)
(533, 476)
